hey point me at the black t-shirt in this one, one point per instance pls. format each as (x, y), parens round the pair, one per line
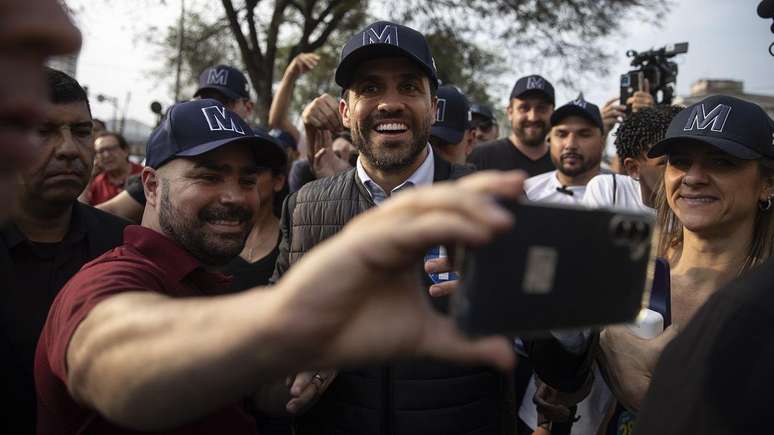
(248, 275)
(31, 275)
(504, 156)
(716, 377)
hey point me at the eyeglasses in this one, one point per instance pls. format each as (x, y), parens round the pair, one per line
(483, 127)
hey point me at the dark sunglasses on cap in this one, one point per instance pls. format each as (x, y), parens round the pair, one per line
(483, 126)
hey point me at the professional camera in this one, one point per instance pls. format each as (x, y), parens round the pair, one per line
(655, 66)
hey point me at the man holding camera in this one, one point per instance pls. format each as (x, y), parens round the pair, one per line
(530, 109)
(389, 104)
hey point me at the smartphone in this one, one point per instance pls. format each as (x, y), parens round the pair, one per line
(559, 267)
(631, 82)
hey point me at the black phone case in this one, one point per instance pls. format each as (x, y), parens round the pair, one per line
(558, 268)
(631, 82)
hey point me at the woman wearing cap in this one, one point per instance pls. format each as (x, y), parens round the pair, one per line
(716, 220)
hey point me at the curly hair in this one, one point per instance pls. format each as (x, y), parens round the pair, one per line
(642, 129)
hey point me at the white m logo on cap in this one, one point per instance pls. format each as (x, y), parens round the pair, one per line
(440, 112)
(535, 83)
(218, 120)
(699, 119)
(389, 35)
(217, 77)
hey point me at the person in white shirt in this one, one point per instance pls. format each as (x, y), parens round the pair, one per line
(636, 134)
(576, 142)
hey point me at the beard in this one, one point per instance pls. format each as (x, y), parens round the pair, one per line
(586, 164)
(390, 156)
(531, 140)
(192, 233)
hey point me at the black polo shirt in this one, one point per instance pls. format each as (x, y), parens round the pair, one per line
(31, 275)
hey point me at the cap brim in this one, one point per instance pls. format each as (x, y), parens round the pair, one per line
(728, 146)
(449, 135)
(482, 114)
(545, 93)
(267, 153)
(572, 110)
(223, 90)
(346, 69)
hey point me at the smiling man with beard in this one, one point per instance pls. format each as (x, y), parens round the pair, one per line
(48, 240)
(529, 110)
(389, 104)
(576, 141)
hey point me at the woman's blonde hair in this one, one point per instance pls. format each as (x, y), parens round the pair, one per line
(670, 243)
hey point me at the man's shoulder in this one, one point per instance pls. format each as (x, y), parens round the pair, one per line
(326, 188)
(493, 147)
(101, 222)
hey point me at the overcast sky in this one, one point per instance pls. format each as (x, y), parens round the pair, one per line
(727, 41)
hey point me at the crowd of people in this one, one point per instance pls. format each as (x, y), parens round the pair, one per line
(293, 279)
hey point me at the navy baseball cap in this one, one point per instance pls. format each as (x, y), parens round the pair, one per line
(225, 79)
(735, 126)
(452, 117)
(284, 138)
(197, 127)
(482, 110)
(533, 83)
(579, 107)
(385, 39)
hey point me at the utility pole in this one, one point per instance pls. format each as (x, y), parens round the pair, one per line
(180, 39)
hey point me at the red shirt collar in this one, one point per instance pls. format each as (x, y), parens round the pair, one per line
(171, 257)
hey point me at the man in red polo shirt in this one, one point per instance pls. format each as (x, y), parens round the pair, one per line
(142, 338)
(112, 153)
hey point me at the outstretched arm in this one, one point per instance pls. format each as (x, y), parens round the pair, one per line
(280, 104)
(147, 361)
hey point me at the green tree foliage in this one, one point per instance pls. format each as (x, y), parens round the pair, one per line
(474, 41)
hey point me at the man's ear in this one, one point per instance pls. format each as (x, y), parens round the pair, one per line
(279, 182)
(433, 108)
(632, 167)
(509, 111)
(344, 112)
(151, 183)
(250, 106)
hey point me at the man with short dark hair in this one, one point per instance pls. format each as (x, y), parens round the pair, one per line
(389, 105)
(484, 124)
(451, 135)
(49, 240)
(634, 137)
(144, 338)
(576, 142)
(30, 32)
(112, 152)
(529, 110)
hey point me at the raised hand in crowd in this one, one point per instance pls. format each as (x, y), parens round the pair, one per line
(628, 362)
(280, 104)
(306, 388)
(325, 162)
(321, 120)
(613, 112)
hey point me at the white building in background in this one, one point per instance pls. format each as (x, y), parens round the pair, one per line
(735, 88)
